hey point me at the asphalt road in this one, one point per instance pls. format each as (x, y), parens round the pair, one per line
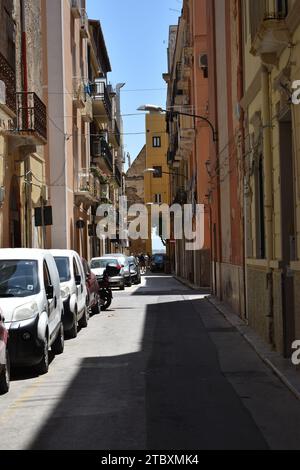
(161, 370)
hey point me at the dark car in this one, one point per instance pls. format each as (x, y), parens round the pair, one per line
(135, 270)
(92, 286)
(4, 358)
(158, 263)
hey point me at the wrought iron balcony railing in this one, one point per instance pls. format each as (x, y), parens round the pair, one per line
(88, 188)
(100, 93)
(8, 77)
(100, 149)
(31, 116)
(116, 131)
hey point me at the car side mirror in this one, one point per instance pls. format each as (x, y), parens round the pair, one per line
(78, 280)
(50, 292)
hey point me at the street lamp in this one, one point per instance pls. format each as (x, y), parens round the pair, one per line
(157, 109)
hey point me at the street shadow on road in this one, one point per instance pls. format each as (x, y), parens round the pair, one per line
(171, 394)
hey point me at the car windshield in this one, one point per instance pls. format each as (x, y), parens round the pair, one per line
(158, 258)
(63, 267)
(18, 278)
(102, 263)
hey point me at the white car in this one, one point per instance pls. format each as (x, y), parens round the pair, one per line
(32, 306)
(73, 290)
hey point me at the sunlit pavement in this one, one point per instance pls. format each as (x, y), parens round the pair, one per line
(162, 369)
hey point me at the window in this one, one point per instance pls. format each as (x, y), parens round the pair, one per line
(158, 199)
(158, 172)
(63, 267)
(156, 142)
(75, 268)
(18, 278)
(47, 279)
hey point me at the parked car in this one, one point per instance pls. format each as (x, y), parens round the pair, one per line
(125, 267)
(73, 291)
(31, 299)
(94, 302)
(98, 266)
(135, 270)
(4, 357)
(158, 263)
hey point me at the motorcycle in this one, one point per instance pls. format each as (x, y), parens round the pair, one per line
(105, 291)
(106, 295)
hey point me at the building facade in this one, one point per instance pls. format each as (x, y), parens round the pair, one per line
(135, 193)
(271, 61)
(84, 136)
(157, 182)
(189, 136)
(226, 162)
(23, 125)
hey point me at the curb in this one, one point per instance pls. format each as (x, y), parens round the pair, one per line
(192, 286)
(260, 347)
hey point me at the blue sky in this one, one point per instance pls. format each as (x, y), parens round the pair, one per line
(136, 35)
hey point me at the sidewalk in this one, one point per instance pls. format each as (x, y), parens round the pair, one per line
(283, 368)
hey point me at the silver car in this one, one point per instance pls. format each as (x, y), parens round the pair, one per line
(98, 266)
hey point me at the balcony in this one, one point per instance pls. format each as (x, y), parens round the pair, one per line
(101, 153)
(8, 79)
(79, 92)
(87, 111)
(269, 31)
(76, 8)
(31, 119)
(88, 189)
(115, 135)
(102, 105)
(84, 24)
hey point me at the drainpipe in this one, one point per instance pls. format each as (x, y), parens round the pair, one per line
(268, 172)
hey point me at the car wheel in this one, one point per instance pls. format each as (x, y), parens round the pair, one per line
(83, 322)
(129, 282)
(43, 366)
(59, 343)
(73, 332)
(122, 287)
(5, 377)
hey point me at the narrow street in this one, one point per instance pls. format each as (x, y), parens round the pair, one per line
(162, 369)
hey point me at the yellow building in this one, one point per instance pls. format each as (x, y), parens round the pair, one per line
(272, 156)
(157, 185)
